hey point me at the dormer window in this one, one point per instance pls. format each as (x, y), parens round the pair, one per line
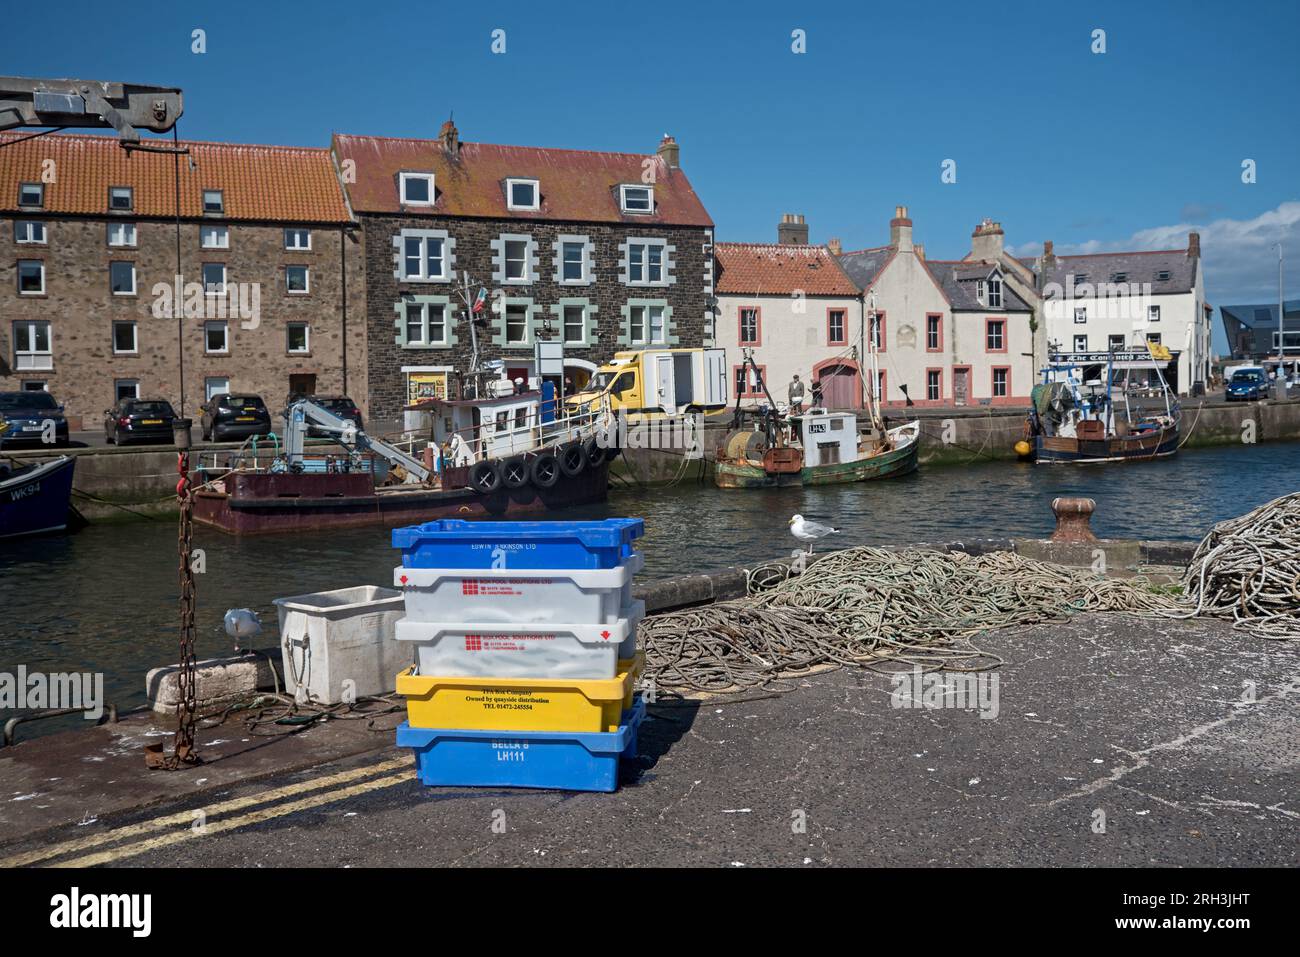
(980, 289)
(31, 194)
(995, 292)
(1163, 275)
(637, 199)
(1119, 277)
(417, 189)
(522, 194)
(214, 202)
(121, 198)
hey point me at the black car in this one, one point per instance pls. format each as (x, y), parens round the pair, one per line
(27, 414)
(139, 420)
(340, 405)
(233, 416)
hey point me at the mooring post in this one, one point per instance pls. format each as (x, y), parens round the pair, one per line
(1073, 519)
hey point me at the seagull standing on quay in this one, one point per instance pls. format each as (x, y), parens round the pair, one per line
(807, 531)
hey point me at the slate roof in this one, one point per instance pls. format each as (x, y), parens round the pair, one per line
(958, 280)
(575, 185)
(864, 265)
(773, 269)
(1139, 267)
(259, 183)
(1263, 315)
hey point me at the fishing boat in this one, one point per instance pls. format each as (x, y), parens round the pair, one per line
(1108, 407)
(768, 449)
(36, 498)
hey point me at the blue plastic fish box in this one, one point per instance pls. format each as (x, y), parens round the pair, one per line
(558, 760)
(456, 543)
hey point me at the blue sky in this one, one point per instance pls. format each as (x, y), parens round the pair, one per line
(1124, 149)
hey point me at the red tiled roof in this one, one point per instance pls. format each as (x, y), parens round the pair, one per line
(267, 183)
(766, 269)
(576, 185)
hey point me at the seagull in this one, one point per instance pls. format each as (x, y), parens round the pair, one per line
(807, 531)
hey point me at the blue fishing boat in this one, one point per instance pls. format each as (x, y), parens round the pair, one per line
(36, 498)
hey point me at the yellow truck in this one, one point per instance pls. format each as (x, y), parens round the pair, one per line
(657, 382)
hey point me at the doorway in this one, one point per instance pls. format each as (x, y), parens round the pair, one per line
(961, 385)
(839, 386)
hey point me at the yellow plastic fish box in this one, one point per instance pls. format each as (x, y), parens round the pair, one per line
(519, 704)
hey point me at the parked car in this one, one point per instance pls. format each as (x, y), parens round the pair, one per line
(27, 414)
(340, 405)
(139, 420)
(1247, 385)
(229, 417)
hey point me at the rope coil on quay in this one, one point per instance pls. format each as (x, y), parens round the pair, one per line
(885, 610)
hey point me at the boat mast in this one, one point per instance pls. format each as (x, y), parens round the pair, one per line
(870, 393)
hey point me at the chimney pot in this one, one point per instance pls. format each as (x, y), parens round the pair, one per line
(920, 250)
(792, 230)
(833, 244)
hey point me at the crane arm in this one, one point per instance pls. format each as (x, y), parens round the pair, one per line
(304, 412)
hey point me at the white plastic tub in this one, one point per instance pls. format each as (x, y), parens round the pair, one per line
(532, 650)
(339, 644)
(595, 596)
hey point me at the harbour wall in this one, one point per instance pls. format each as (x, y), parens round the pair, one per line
(113, 484)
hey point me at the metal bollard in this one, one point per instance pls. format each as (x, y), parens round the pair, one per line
(1073, 518)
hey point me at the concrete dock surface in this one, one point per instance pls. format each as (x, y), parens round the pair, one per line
(1115, 742)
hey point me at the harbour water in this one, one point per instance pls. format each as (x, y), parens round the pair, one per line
(104, 599)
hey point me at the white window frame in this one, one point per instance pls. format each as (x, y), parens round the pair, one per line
(981, 290)
(133, 384)
(113, 191)
(220, 233)
(306, 338)
(403, 178)
(1153, 313)
(623, 190)
(1006, 383)
(306, 275)
(225, 279)
(513, 181)
(125, 228)
(1110, 342)
(41, 385)
(530, 253)
(1084, 337)
(40, 195)
(210, 389)
(31, 226)
(645, 244)
(995, 292)
(221, 202)
(40, 360)
(422, 309)
(506, 306)
(935, 376)
(1080, 315)
(135, 337)
(18, 274)
(134, 281)
(295, 231)
(647, 325)
(423, 237)
(208, 327)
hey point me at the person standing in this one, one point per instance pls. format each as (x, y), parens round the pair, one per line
(795, 394)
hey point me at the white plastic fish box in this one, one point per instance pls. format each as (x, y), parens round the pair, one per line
(511, 650)
(584, 596)
(333, 637)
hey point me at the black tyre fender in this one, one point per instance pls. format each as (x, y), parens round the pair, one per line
(572, 459)
(612, 453)
(544, 471)
(514, 472)
(485, 477)
(593, 453)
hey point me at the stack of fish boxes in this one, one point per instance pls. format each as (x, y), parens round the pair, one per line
(525, 648)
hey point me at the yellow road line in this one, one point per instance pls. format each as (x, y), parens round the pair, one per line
(230, 824)
(212, 810)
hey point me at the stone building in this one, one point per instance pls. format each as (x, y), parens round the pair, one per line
(91, 307)
(602, 251)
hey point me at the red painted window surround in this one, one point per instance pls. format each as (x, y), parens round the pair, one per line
(970, 383)
(843, 340)
(988, 325)
(883, 326)
(993, 375)
(758, 326)
(926, 386)
(751, 388)
(934, 316)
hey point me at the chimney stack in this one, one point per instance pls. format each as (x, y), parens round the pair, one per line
(1193, 245)
(920, 250)
(986, 241)
(792, 230)
(900, 230)
(834, 246)
(450, 137)
(670, 152)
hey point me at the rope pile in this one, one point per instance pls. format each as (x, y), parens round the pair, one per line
(875, 608)
(1248, 569)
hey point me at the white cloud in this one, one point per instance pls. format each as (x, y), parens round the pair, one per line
(1240, 255)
